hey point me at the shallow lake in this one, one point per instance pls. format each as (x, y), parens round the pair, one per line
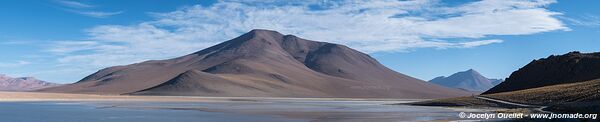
(227, 111)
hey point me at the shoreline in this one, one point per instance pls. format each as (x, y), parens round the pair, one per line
(6, 96)
(325, 109)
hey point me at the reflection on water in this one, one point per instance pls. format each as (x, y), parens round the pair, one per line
(231, 111)
(90, 112)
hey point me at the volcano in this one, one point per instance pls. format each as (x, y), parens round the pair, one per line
(470, 80)
(262, 63)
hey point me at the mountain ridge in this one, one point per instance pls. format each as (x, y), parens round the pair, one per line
(23, 83)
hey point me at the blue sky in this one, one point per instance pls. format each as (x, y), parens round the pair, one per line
(64, 40)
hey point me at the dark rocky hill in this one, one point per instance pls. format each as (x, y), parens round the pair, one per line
(556, 69)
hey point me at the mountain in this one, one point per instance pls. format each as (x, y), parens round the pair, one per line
(575, 97)
(469, 80)
(23, 84)
(496, 81)
(262, 63)
(568, 68)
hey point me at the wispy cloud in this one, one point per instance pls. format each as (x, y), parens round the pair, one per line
(97, 14)
(370, 26)
(13, 64)
(85, 9)
(586, 20)
(478, 43)
(16, 42)
(65, 47)
(74, 4)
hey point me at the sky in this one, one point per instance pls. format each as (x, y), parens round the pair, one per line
(65, 40)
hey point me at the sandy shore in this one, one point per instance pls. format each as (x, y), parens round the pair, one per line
(38, 96)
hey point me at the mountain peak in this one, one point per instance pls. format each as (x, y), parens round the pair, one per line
(472, 71)
(469, 80)
(257, 34)
(27, 78)
(262, 33)
(574, 52)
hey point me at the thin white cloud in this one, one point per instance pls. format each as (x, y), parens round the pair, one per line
(97, 14)
(478, 43)
(66, 47)
(85, 9)
(14, 64)
(369, 26)
(586, 20)
(16, 42)
(74, 4)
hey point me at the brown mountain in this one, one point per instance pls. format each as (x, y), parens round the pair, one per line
(262, 63)
(568, 68)
(23, 84)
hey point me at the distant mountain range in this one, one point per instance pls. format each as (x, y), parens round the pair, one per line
(469, 80)
(262, 63)
(556, 69)
(23, 83)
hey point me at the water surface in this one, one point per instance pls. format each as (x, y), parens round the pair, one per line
(230, 111)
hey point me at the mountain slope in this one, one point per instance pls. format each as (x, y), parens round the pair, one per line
(496, 81)
(470, 80)
(585, 91)
(23, 84)
(568, 68)
(262, 63)
(578, 97)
